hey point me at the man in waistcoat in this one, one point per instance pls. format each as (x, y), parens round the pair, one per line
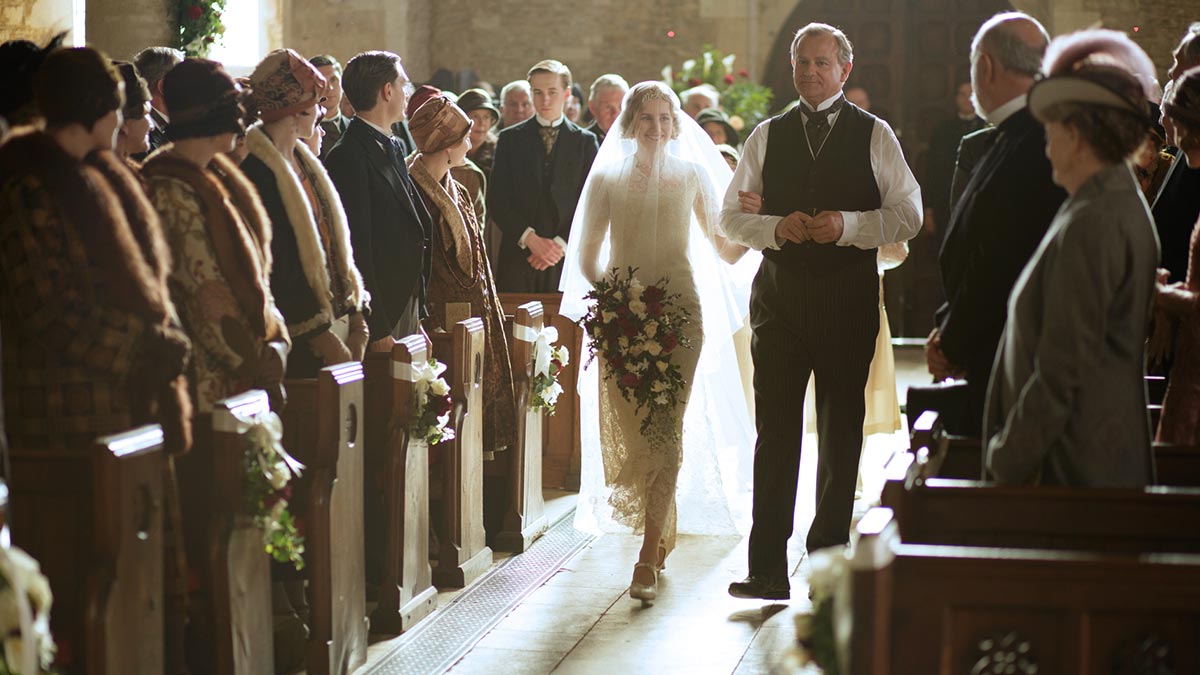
(834, 187)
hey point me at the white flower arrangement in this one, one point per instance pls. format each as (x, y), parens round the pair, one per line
(269, 473)
(431, 416)
(25, 600)
(548, 362)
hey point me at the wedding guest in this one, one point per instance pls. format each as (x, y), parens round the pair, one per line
(574, 106)
(538, 174)
(516, 103)
(859, 97)
(716, 124)
(240, 152)
(731, 156)
(1178, 202)
(335, 121)
(133, 137)
(19, 60)
(219, 238)
(700, 97)
(1180, 422)
(460, 281)
(835, 187)
(971, 149)
(389, 224)
(1067, 401)
(995, 229)
(604, 102)
(314, 280)
(943, 153)
(477, 103)
(153, 64)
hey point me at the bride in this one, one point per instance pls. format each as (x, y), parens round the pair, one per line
(652, 202)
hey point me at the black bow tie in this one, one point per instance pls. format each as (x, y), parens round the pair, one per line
(823, 114)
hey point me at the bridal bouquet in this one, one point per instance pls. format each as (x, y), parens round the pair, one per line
(636, 328)
(548, 362)
(25, 600)
(433, 404)
(269, 473)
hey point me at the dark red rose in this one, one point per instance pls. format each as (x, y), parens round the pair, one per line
(744, 73)
(654, 309)
(617, 362)
(728, 79)
(208, 39)
(441, 405)
(629, 328)
(653, 294)
(622, 311)
(694, 82)
(669, 342)
(629, 380)
(195, 12)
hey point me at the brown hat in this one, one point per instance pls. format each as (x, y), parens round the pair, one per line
(284, 83)
(76, 85)
(137, 94)
(478, 99)
(438, 124)
(419, 97)
(202, 100)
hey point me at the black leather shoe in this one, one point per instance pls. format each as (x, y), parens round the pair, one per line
(760, 587)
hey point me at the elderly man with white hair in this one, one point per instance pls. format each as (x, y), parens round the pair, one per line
(516, 103)
(604, 102)
(700, 97)
(835, 187)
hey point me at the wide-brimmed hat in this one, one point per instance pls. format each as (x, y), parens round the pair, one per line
(438, 124)
(284, 83)
(1095, 67)
(478, 99)
(717, 115)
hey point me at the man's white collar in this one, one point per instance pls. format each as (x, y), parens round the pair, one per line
(543, 122)
(1003, 112)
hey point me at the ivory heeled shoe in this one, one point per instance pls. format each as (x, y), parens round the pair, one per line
(644, 591)
(662, 558)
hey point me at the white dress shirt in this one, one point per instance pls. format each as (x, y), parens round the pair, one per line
(898, 219)
(1003, 112)
(543, 122)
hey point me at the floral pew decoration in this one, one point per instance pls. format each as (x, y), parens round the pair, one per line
(548, 361)
(433, 403)
(270, 471)
(25, 601)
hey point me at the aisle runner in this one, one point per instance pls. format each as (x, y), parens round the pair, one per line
(450, 632)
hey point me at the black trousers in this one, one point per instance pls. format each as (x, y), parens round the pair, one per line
(826, 327)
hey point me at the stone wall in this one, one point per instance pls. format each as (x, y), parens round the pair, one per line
(37, 20)
(122, 28)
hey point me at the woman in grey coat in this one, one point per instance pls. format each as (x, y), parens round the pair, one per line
(1067, 399)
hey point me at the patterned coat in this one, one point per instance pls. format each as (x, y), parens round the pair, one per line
(86, 318)
(220, 241)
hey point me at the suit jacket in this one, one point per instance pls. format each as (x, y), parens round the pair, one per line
(523, 193)
(334, 129)
(940, 164)
(389, 225)
(1001, 218)
(971, 148)
(157, 136)
(1175, 211)
(1067, 400)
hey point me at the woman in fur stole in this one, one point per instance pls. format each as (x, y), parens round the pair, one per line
(460, 272)
(220, 240)
(92, 344)
(315, 282)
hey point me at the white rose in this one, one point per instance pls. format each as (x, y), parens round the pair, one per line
(623, 342)
(651, 328)
(635, 290)
(658, 386)
(279, 476)
(638, 308)
(653, 348)
(637, 349)
(662, 366)
(552, 393)
(439, 387)
(563, 355)
(608, 317)
(618, 296)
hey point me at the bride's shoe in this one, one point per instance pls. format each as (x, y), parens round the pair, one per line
(644, 591)
(662, 558)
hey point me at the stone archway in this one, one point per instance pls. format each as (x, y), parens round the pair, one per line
(908, 54)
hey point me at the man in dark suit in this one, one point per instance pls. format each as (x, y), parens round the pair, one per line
(1005, 210)
(1177, 205)
(335, 122)
(940, 162)
(604, 102)
(153, 64)
(389, 225)
(971, 148)
(537, 177)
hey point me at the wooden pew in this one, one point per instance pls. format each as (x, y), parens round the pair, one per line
(959, 457)
(912, 608)
(524, 518)
(463, 554)
(397, 522)
(93, 518)
(972, 513)
(322, 429)
(561, 442)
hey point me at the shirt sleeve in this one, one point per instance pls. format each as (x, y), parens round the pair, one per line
(899, 217)
(755, 231)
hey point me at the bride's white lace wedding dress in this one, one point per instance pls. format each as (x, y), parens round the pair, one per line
(658, 213)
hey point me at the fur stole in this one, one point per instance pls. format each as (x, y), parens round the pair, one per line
(241, 236)
(313, 254)
(455, 215)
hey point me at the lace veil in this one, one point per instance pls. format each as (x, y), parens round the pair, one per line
(659, 212)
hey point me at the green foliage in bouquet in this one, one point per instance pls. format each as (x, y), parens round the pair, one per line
(747, 102)
(200, 25)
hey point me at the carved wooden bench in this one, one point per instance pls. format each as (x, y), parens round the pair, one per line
(323, 429)
(397, 517)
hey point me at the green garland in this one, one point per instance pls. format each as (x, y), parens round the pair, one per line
(200, 25)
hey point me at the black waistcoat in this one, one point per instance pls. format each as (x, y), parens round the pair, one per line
(839, 179)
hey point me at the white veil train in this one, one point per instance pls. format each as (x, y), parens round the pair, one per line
(718, 434)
